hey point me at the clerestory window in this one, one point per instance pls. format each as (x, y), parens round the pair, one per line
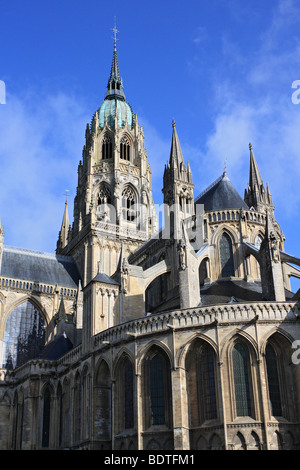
(226, 255)
(104, 196)
(273, 381)
(106, 147)
(125, 148)
(241, 374)
(129, 204)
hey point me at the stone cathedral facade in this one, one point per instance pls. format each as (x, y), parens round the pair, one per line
(135, 336)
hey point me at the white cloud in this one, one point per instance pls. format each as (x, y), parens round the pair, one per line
(39, 150)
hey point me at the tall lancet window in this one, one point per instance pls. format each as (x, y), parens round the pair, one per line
(128, 204)
(125, 148)
(273, 381)
(240, 361)
(226, 255)
(157, 390)
(106, 147)
(206, 383)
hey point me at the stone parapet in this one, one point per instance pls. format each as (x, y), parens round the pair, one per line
(201, 316)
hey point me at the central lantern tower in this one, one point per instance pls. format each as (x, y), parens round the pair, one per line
(113, 207)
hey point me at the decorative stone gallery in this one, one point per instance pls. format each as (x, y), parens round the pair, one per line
(135, 336)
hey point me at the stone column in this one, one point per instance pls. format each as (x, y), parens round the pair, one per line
(139, 410)
(180, 409)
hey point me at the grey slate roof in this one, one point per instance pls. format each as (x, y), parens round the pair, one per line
(36, 266)
(102, 277)
(223, 292)
(221, 195)
(57, 348)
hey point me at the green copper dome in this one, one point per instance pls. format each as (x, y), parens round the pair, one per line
(108, 110)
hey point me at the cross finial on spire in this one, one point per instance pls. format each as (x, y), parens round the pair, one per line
(67, 195)
(250, 146)
(115, 31)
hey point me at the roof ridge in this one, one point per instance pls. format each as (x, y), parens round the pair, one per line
(209, 187)
(41, 254)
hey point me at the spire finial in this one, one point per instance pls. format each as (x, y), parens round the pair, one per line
(225, 167)
(173, 123)
(67, 195)
(115, 84)
(115, 31)
(250, 146)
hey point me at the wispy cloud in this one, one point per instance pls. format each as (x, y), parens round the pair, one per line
(40, 146)
(259, 109)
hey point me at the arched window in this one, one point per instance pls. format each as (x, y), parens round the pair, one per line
(128, 204)
(46, 417)
(273, 381)
(226, 255)
(240, 361)
(125, 148)
(24, 335)
(104, 195)
(106, 147)
(206, 383)
(201, 383)
(157, 390)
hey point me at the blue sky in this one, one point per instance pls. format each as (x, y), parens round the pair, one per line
(222, 69)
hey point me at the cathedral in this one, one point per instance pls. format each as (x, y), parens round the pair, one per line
(136, 335)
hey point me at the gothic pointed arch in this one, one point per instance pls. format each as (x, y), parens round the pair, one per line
(243, 376)
(103, 195)
(107, 146)
(280, 377)
(145, 353)
(157, 391)
(239, 442)
(200, 364)
(129, 203)
(226, 255)
(24, 335)
(126, 147)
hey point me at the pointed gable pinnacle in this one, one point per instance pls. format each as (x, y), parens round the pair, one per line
(176, 158)
(256, 195)
(64, 231)
(255, 179)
